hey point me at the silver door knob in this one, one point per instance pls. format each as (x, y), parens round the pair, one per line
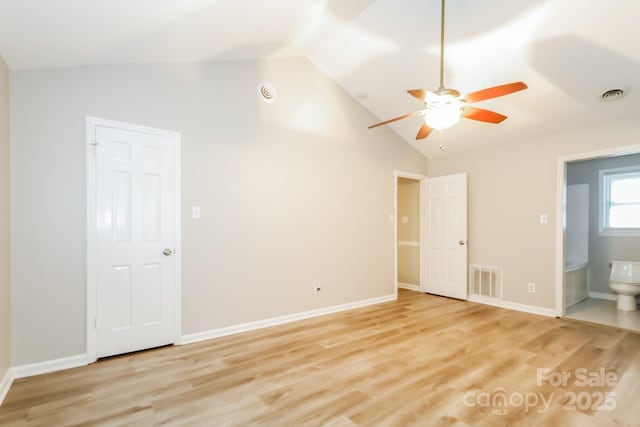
(461, 242)
(167, 252)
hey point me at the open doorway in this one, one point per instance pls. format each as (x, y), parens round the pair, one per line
(408, 229)
(407, 236)
(594, 233)
(430, 234)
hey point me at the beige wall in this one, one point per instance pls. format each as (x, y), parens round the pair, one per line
(291, 193)
(409, 207)
(5, 237)
(510, 185)
(603, 249)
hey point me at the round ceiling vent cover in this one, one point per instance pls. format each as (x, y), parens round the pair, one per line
(267, 92)
(612, 95)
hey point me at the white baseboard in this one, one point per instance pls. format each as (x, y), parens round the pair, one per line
(603, 295)
(409, 286)
(5, 384)
(49, 366)
(549, 312)
(251, 326)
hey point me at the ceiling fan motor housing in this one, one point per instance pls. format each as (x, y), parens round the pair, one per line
(445, 91)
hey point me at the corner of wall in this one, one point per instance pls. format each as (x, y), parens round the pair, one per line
(6, 377)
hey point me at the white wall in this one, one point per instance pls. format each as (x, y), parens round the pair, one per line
(510, 185)
(291, 193)
(5, 235)
(603, 249)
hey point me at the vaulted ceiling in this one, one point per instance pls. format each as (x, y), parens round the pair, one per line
(568, 51)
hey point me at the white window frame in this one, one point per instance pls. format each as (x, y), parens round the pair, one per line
(604, 202)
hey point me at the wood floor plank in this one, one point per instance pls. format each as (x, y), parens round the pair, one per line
(422, 360)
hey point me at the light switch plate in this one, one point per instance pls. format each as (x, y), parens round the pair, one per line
(195, 212)
(544, 218)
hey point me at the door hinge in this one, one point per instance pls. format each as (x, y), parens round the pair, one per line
(95, 323)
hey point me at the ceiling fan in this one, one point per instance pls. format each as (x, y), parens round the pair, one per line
(444, 107)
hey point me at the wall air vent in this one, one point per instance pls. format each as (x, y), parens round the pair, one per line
(485, 281)
(267, 92)
(612, 95)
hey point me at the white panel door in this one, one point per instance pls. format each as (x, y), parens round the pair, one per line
(444, 262)
(135, 197)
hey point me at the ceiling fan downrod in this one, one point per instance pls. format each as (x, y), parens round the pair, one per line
(442, 49)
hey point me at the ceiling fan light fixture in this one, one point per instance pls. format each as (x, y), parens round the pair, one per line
(443, 111)
(445, 106)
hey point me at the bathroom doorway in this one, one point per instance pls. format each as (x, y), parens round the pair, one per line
(586, 244)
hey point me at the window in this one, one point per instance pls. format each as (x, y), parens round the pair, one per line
(620, 201)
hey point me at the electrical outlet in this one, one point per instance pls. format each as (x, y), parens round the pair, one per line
(531, 287)
(317, 288)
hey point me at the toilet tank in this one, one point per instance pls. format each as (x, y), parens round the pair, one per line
(625, 271)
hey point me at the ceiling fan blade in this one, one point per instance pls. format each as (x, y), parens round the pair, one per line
(482, 115)
(494, 92)
(406, 116)
(421, 94)
(423, 132)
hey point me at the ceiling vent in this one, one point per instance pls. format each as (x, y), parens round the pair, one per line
(612, 95)
(267, 92)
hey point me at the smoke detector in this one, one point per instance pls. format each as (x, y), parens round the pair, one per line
(267, 92)
(612, 95)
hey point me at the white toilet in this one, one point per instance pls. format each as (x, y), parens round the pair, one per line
(625, 281)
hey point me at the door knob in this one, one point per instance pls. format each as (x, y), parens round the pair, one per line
(167, 252)
(461, 242)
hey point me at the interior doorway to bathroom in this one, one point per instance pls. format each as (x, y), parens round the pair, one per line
(595, 229)
(408, 231)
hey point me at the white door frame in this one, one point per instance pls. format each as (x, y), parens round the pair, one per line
(561, 210)
(408, 175)
(92, 239)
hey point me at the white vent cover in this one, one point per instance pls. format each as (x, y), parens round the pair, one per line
(267, 92)
(612, 95)
(485, 281)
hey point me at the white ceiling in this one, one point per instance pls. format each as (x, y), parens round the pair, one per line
(567, 51)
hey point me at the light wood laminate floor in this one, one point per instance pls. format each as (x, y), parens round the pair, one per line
(423, 360)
